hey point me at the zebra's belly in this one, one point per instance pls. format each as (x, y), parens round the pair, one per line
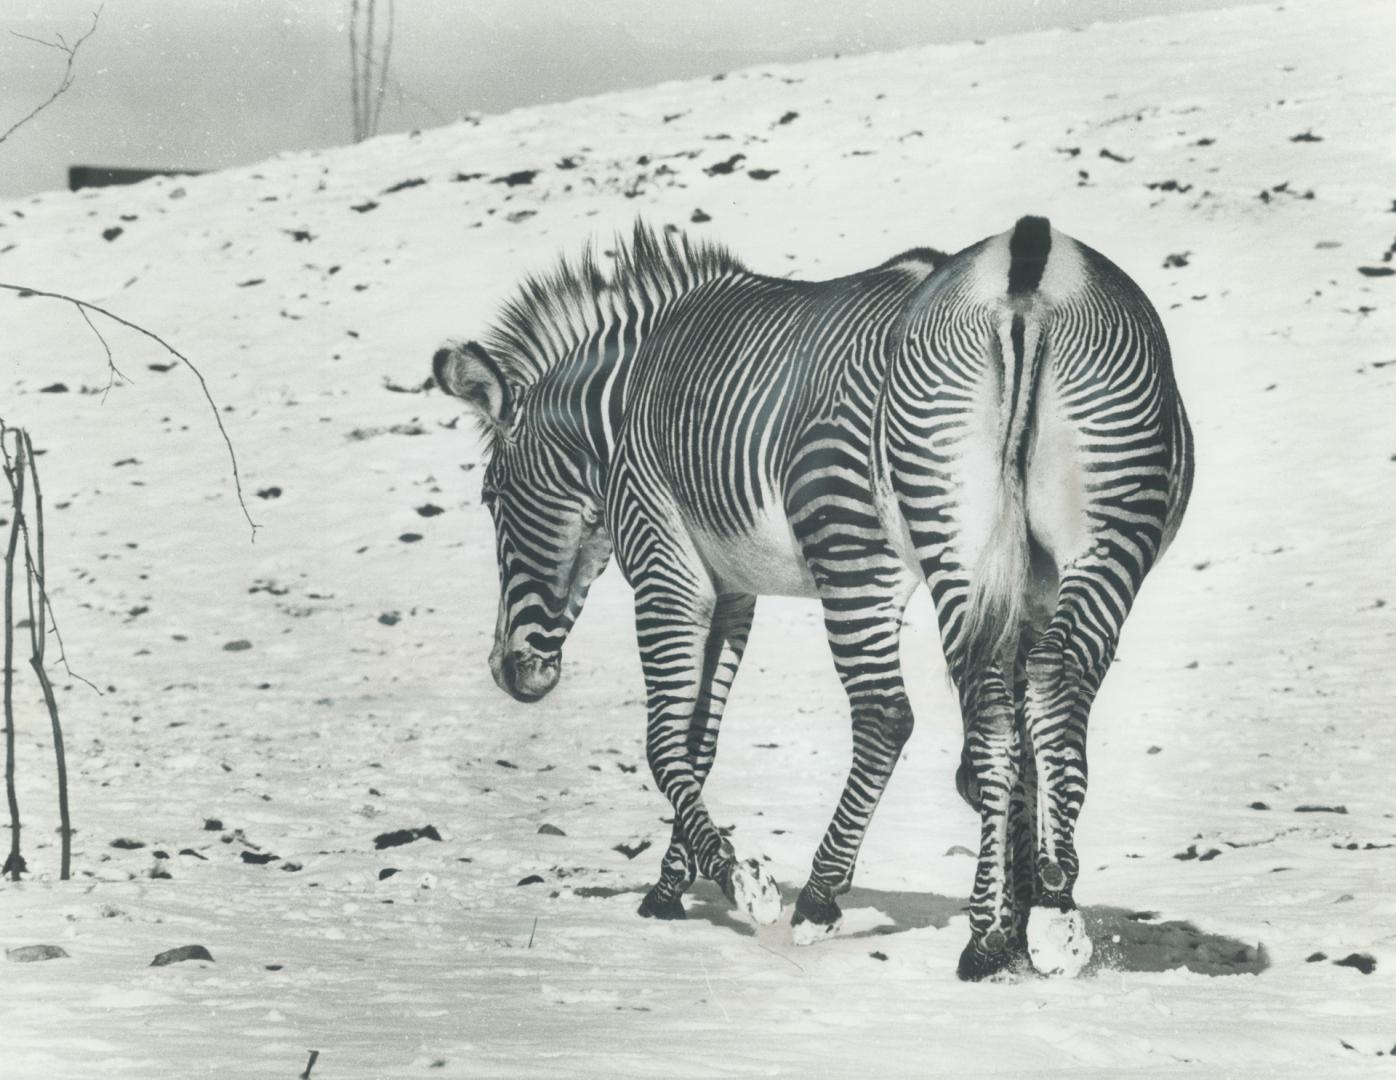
(763, 560)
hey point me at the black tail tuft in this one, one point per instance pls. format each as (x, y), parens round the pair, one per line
(1027, 249)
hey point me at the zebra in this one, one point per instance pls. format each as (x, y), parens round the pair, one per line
(1001, 425)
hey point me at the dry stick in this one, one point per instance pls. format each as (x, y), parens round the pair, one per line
(64, 83)
(83, 305)
(38, 631)
(354, 67)
(383, 67)
(367, 80)
(14, 473)
(314, 1056)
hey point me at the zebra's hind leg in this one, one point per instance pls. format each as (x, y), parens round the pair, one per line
(731, 625)
(992, 754)
(1062, 682)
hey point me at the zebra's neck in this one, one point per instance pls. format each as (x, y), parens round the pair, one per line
(579, 402)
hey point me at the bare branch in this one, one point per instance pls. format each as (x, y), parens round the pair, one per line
(34, 562)
(383, 68)
(66, 81)
(83, 305)
(354, 68)
(14, 474)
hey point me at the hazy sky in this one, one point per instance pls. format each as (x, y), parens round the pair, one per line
(209, 83)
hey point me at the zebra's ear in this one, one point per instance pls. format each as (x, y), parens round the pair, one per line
(467, 371)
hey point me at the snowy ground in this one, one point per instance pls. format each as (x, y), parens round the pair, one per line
(1241, 165)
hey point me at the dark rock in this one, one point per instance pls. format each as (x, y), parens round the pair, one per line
(184, 952)
(364, 208)
(272, 492)
(387, 872)
(1376, 271)
(410, 537)
(1361, 961)
(532, 879)
(723, 168)
(514, 179)
(1306, 136)
(878, 955)
(1309, 808)
(250, 282)
(390, 618)
(126, 844)
(403, 185)
(28, 954)
(1314, 958)
(54, 388)
(212, 824)
(111, 234)
(429, 510)
(792, 115)
(1260, 806)
(698, 217)
(405, 836)
(550, 830)
(632, 850)
(258, 858)
(241, 645)
(762, 174)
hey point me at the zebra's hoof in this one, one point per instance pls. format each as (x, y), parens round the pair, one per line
(1057, 941)
(808, 932)
(651, 907)
(984, 958)
(814, 921)
(755, 892)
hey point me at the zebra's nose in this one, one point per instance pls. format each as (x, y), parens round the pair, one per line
(529, 675)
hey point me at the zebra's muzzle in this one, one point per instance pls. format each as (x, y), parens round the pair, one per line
(527, 675)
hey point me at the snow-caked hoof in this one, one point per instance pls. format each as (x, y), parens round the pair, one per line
(1057, 941)
(817, 916)
(755, 892)
(808, 932)
(651, 907)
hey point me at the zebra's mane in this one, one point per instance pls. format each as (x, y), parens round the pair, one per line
(555, 311)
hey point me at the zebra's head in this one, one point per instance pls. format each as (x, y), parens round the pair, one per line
(550, 541)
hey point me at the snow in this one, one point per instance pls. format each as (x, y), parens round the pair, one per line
(1254, 669)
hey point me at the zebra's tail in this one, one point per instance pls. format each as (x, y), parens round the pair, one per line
(997, 599)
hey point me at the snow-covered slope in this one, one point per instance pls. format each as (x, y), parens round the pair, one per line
(1240, 165)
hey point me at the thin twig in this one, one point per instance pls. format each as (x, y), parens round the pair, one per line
(314, 1055)
(63, 650)
(112, 370)
(14, 473)
(203, 384)
(34, 561)
(65, 82)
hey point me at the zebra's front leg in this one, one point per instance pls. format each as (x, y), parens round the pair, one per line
(991, 758)
(674, 630)
(731, 626)
(864, 633)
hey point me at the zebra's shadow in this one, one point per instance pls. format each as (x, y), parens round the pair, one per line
(1124, 940)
